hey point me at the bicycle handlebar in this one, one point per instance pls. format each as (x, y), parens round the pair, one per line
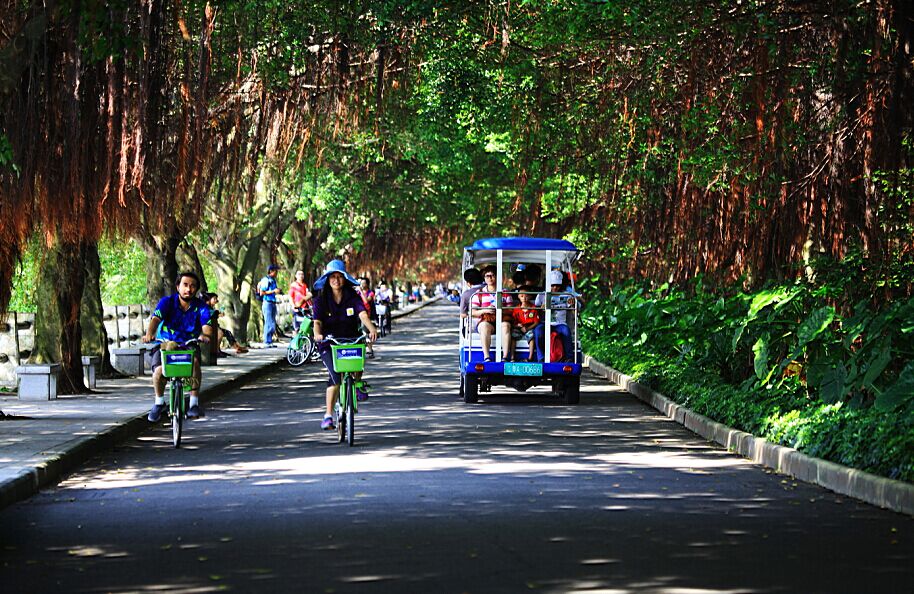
(190, 343)
(330, 338)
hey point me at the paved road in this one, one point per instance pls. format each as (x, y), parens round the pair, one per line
(514, 494)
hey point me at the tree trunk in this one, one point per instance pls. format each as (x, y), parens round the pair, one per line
(161, 267)
(308, 238)
(189, 259)
(58, 332)
(92, 316)
(236, 307)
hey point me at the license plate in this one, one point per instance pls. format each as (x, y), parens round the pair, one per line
(529, 369)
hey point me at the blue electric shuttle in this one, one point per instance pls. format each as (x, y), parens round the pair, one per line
(524, 369)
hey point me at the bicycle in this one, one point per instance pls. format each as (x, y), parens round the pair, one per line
(176, 366)
(348, 359)
(302, 348)
(383, 317)
(381, 310)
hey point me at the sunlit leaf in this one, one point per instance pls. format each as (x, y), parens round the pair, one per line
(815, 324)
(760, 361)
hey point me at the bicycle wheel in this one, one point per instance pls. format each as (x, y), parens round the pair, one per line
(315, 355)
(350, 415)
(309, 349)
(177, 412)
(296, 357)
(340, 410)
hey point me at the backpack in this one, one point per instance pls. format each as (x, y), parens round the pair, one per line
(556, 350)
(258, 294)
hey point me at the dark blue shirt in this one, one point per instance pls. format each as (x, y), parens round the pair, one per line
(179, 325)
(339, 319)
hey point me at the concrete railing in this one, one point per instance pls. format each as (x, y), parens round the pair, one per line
(125, 325)
(17, 340)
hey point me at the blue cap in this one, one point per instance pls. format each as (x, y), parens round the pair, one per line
(272, 267)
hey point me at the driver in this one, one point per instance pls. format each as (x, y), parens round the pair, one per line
(177, 319)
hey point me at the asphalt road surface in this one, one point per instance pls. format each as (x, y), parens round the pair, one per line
(517, 493)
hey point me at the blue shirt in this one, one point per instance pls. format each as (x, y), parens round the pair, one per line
(179, 325)
(268, 283)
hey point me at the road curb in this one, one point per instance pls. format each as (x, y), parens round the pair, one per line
(884, 492)
(70, 455)
(405, 312)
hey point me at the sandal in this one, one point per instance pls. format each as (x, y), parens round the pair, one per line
(487, 359)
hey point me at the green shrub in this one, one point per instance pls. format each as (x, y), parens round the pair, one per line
(789, 363)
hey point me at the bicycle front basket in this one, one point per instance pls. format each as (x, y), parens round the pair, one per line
(348, 357)
(178, 363)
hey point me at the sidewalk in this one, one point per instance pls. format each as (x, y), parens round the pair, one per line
(54, 437)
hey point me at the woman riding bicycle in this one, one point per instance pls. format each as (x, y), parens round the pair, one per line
(338, 310)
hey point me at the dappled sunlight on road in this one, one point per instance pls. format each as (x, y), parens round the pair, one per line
(518, 492)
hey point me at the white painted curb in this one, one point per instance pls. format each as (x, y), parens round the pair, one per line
(884, 492)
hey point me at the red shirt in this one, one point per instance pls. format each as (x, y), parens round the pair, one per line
(297, 292)
(526, 316)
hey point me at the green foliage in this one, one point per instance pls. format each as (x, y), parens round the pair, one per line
(25, 280)
(781, 363)
(123, 266)
(123, 274)
(7, 159)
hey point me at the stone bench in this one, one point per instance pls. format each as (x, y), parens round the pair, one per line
(130, 361)
(38, 381)
(90, 363)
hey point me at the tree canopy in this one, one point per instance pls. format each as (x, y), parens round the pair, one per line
(736, 141)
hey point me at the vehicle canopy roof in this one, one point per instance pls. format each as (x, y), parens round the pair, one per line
(522, 249)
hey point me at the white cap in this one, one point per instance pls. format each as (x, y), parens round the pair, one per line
(555, 277)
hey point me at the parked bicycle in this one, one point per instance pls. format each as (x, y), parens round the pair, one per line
(177, 366)
(348, 360)
(302, 348)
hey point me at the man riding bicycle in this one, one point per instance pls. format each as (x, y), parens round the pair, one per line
(177, 319)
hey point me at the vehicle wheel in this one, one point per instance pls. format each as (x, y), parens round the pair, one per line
(471, 389)
(571, 392)
(308, 348)
(340, 424)
(460, 391)
(177, 414)
(350, 424)
(296, 357)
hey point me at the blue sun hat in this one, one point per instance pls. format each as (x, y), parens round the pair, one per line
(334, 266)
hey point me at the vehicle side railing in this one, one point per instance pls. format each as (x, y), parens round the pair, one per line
(547, 308)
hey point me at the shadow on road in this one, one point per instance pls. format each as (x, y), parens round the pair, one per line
(515, 493)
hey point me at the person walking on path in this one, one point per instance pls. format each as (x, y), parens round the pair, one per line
(301, 299)
(268, 289)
